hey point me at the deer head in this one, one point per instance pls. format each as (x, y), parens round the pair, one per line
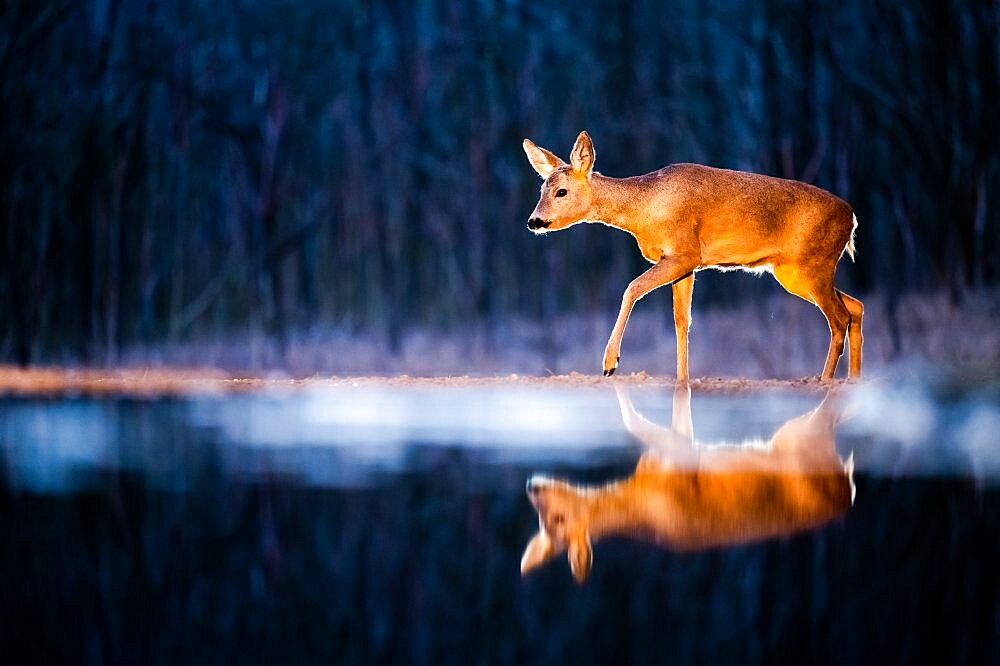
(567, 195)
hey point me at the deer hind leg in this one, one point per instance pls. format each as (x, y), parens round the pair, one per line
(839, 319)
(820, 292)
(855, 338)
(683, 289)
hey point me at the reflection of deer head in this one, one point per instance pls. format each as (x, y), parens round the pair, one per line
(688, 496)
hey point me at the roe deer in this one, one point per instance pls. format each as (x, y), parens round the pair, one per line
(686, 217)
(688, 496)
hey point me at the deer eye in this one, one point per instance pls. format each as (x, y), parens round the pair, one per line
(561, 192)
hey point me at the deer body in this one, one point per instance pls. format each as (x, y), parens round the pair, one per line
(688, 217)
(690, 497)
(722, 218)
(690, 510)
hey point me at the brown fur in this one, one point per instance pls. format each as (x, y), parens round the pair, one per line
(688, 497)
(688, 217)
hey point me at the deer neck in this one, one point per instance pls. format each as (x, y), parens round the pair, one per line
(618, 508)
(615, 201)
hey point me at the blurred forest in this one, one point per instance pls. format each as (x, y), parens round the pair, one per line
(172, 171)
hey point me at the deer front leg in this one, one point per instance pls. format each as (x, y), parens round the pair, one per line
(667, 270)
(683, 289)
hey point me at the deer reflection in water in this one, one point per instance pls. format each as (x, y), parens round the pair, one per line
(689, 496)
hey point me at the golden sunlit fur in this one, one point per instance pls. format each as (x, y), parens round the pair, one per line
(689, 496)
(688, 217)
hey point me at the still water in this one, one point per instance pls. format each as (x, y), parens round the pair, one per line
(502, 524)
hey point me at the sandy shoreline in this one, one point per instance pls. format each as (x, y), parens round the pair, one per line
(153, 382)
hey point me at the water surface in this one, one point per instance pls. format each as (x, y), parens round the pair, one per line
(389, 525)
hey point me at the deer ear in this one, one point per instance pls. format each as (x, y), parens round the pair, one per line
(544, 161)
(582, 157)
(538, 552)
(581, 556)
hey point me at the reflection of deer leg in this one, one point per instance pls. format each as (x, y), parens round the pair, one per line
(681, 417)
(807, 442)
(674, 445)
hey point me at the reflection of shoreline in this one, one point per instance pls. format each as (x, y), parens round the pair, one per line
(688, 496)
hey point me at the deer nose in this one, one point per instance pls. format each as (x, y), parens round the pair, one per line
(537, 223)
